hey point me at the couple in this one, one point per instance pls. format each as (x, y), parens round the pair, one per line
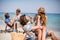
(11, 22)
(40, 26)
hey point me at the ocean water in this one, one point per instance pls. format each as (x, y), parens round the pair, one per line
(53, 22)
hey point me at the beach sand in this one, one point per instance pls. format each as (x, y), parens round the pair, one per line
(11, 36)
(18, 36)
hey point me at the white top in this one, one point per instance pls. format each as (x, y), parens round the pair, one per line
(17, 17)
(28, 26)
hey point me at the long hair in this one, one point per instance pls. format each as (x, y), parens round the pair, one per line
(41, 12)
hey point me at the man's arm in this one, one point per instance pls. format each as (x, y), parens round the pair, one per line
(31, 19)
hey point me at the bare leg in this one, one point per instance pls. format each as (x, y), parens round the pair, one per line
(39, 30)
(44, 33)
(35, 27)
(53, 37)
(39, 34)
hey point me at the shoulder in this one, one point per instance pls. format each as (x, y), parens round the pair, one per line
(19, 15)
(46, 17)
(7, 20)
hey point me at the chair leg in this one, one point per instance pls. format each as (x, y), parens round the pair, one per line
(6, 28)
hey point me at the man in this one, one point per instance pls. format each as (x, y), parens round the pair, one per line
(8, 21)
(16, 18)
(18, 14)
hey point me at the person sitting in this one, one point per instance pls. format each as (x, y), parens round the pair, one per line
(8, 21)
(26, 25)
(16, 20)
(17, 15)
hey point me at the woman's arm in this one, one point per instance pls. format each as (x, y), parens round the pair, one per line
(38, 20)
(46, 19)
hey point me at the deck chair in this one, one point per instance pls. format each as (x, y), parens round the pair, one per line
(6, 30)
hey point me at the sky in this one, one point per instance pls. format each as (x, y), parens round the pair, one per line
(30, 6)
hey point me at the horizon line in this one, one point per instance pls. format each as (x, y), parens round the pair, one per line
(32, 12)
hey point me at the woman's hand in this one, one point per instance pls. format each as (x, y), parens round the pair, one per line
(41, 27)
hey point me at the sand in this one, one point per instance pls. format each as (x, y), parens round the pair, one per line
(18, 36)
(11, 36)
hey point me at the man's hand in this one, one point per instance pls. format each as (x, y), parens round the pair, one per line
(30, 17)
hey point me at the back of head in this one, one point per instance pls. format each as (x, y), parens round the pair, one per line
(23, 20)
(6, 15)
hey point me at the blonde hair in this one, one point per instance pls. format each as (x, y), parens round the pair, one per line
(41, 9)
(41, 12)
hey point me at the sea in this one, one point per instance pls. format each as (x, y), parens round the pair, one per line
(53, 22)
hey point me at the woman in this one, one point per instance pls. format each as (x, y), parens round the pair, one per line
(43, 21)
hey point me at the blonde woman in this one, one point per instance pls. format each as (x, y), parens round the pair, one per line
(42, 23)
